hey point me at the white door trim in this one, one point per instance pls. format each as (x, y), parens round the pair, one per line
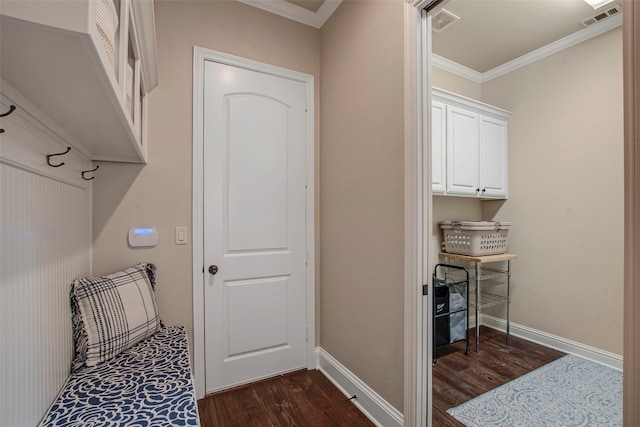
(417, 373)
(418, 213)
(200, 55)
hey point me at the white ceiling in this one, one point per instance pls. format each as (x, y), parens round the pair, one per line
(489, 33)
(493, 32)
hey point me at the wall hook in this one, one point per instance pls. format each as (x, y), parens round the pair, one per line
(49, 156)
(11, 110)
(92, 170)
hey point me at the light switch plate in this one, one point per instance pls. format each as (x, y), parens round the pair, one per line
(181, 236)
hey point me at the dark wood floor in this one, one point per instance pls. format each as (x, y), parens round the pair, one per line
(303, 398)
(458, 378)
(308, 398)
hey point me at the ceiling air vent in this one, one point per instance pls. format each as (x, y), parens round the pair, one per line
(607, 13)
(442, 20)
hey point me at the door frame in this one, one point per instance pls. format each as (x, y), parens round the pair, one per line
(200, 56)
(417, 396)
(631, 351)
(417, 207)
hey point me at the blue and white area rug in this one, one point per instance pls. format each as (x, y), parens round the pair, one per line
(570, 391)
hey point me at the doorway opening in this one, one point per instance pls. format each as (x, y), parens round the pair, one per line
(545, 274)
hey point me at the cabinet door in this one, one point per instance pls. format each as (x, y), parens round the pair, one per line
(438, 147)
(493, 157)
(462, 151)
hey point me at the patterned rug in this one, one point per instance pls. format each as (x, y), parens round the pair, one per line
(570, 391)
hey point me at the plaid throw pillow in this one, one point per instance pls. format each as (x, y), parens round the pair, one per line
(112, 313)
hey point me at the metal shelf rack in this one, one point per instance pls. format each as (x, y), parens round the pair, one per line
(484, 276)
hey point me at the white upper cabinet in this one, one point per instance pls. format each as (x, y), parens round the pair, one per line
(462, 151)
(475, 147)
(493, 157)
(86, 64)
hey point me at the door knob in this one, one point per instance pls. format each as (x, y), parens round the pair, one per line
(213, 269)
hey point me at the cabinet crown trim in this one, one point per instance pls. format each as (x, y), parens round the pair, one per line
(451, 98)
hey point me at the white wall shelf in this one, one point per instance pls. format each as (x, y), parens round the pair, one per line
(52, 54)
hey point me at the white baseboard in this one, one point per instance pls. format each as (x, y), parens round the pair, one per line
(606, 358)
(370, 403)
(382, 414)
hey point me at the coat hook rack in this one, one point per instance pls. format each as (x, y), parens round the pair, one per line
(92, 170)
(49, 156)
(11, 110)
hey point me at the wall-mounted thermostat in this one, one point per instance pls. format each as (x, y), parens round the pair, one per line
(143, 236)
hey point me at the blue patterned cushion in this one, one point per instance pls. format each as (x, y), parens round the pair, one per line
(112, 313)
(149, 384)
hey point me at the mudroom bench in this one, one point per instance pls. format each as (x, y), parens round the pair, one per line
(149, 384)
(128, 369)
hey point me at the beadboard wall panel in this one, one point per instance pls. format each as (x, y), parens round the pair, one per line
(45, 243)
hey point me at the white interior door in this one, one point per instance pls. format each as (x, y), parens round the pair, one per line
(254, 225)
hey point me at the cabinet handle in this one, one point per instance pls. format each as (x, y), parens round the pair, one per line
(484, 189)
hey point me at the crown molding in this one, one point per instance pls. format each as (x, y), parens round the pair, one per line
(474, 105)
(529, 58)
(297, 13)
(429, 5)
(554, 47)
(456, 68)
